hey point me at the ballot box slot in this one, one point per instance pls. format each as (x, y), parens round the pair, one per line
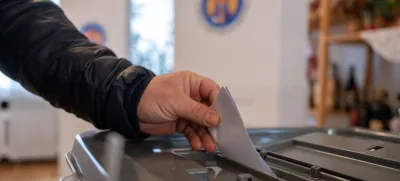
(352, 155)
(366, 134)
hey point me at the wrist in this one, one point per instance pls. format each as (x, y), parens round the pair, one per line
(135, 94)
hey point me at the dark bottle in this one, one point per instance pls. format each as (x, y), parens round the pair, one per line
(381, 112)
(338, 87)
(312, 79)
(394, 124)
(351, 90)
(355, 115)
(396, 107)
(361, 113)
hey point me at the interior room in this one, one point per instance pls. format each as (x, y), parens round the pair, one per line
(302, 79)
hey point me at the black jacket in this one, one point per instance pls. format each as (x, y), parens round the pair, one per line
(43, 51)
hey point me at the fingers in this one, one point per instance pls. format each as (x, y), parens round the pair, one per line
(208, 89)
(193, 138)
(206, 139)
(202, 88)
(196, 112)
(198, 136)
(181, 125)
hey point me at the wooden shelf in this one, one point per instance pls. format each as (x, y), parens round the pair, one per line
(329, 112)
(326, 18)
(345, 39)
(337, 21)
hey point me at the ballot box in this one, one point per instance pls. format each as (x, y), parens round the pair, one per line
(292, 153)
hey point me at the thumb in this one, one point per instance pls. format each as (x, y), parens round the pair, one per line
(196, 112)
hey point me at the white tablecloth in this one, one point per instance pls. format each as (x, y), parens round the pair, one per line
(385, 42)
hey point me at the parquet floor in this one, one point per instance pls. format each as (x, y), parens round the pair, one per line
(31, 171)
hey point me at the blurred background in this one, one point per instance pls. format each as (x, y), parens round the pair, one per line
(287, 63)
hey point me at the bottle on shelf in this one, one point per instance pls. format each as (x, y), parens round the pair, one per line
(381, 112)
(351, 90)
(394, 124)
(312, 79)
(361, 112)
(397, 105)
(354, 115)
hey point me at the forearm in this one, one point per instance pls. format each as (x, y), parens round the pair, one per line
(50, 58)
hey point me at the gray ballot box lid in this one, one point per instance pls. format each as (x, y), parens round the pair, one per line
(293, 154)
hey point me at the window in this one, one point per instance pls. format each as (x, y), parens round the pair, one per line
(56, 1)
(152, 34)
(5, 82)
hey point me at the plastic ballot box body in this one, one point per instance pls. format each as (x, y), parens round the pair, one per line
(293, 154)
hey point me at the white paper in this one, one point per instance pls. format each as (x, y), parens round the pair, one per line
(231, 135)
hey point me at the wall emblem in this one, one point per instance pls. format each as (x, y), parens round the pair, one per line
(221, 13)
(94, 32)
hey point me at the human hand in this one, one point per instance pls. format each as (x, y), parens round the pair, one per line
(179, 102)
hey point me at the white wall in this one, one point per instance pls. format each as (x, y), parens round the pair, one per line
(114, 16)
(293, 87)
(261, 58)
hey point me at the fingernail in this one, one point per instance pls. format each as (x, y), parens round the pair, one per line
(212, 119)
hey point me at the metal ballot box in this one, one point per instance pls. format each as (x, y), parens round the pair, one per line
(293, 154)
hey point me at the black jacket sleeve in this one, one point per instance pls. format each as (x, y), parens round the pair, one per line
(43, 51)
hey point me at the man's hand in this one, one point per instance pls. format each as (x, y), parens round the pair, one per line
(179, 102)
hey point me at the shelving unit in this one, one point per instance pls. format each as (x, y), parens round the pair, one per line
(325, 40)
(345, 39)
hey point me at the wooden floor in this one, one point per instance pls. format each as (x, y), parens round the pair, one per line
(32, 171)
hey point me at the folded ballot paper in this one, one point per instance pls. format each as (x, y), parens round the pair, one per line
(231, 135)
